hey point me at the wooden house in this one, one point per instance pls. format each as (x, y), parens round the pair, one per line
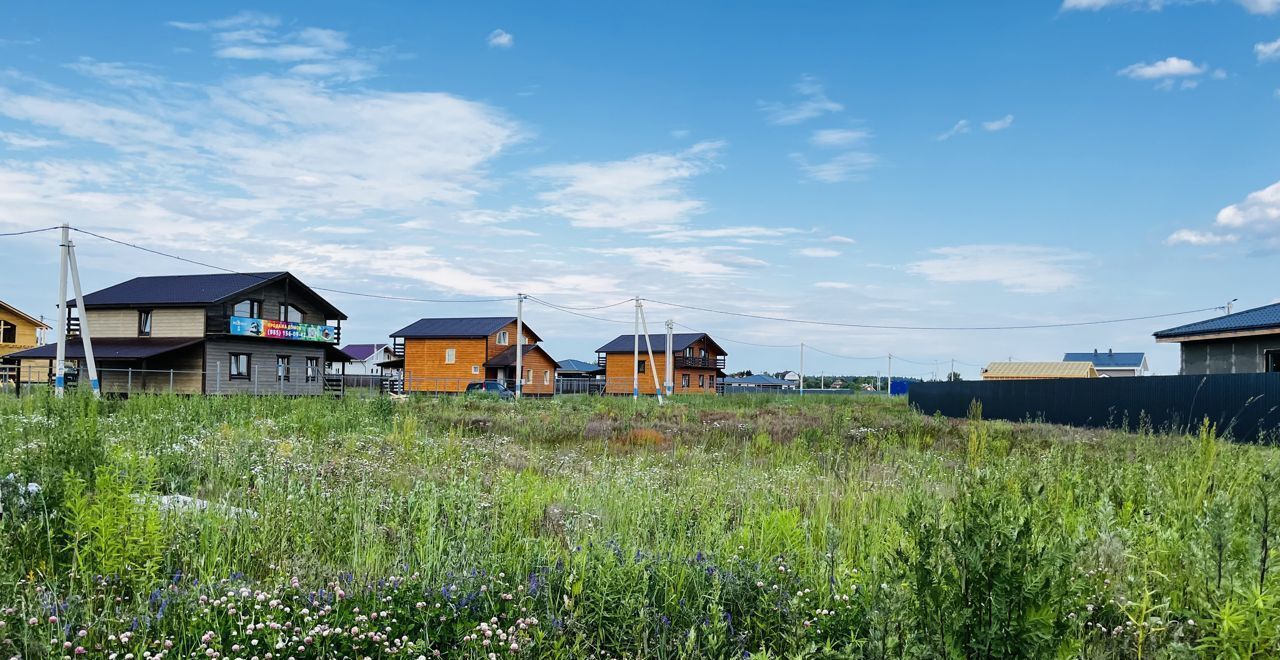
(697, 364)
(447, 354)
(20, 331)
(225, 333)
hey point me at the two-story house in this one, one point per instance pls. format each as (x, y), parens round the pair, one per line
(225, 333)
(20, 331)
(697, 363)
(447, 354)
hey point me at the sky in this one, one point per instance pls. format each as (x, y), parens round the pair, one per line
(929, 164)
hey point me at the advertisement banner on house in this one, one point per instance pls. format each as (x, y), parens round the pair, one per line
(247, 327)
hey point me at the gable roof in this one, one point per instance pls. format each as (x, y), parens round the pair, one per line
(465, 327)
(579, 365)
(362, 352)
(37, 322)
(508, 357)
(1109, 360)
(756, 379)
(205, 289)
(679, 342)
(1017, 370)
(1258, 318)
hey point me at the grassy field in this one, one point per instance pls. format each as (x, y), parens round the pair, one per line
(710, 527)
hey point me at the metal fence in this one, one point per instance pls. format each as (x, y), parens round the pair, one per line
(1243, 406)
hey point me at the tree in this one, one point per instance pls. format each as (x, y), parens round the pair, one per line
(954, 376)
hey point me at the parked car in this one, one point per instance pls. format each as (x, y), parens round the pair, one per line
(491, 387)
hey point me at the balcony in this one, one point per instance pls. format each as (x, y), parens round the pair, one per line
(708, 362)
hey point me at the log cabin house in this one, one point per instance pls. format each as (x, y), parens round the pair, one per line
(447, 354)
(698, 363)
(225, 333)
(20, 331)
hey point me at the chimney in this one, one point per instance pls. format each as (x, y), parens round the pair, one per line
(1108, 351)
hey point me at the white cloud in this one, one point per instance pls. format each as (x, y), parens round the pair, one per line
(832, 285)
(961, 127)
(848, 166)
(20, 141)
(314, 52)
(814, 103)
(710, 262)
(1252, 6)
(740, 233)
(1196, 237)
(1169, 67)
(642, 193)
(818, 252)
(1267, 51)
(1266, 7)
(116, 73)
(501, 39)
(998, 124)
(830, 138)
(841, 239)
(1019, 268)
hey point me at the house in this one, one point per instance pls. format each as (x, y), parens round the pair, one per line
(697, 366)
(223, 333)
(1037, 370)
(366, 359)
(578, 369)
(578, 377)
(791, 377)
(20, 331)
(447, 354)
(1112, 364)
(1246, 342)
(758, 382)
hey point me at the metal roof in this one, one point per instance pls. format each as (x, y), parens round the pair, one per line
(361, 352)
(37, 322)
(1108, 360)
(578, 365)
(756, 379)
(1258, 318)
(110, 349)
(476, 326)
(508, 357)
(679, 342)
(1028, 370)
(206, 289)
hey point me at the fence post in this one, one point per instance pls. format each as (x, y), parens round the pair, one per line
(217, 377)
(255, 380)
(171, 381)
(128, 388)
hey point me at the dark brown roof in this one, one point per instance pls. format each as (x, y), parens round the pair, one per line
(110, 349)
(507, 358)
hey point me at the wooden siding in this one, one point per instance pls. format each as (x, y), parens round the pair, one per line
(493, 347)
(618, 367)
(271, 296)
(263, 352)
(426, 371)
(541, 365)
(26, 336)
(153, 374)
(165, 322)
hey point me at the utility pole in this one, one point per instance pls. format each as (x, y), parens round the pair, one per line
(519, 345)
(953, 368)
(670, 370)
(653, 368)
(68, 263)
(1229, 304)
(635, 355)
(889, 389)
(801, 368)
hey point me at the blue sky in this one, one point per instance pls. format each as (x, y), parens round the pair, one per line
(937, 164)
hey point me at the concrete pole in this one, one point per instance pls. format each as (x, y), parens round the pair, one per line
(60, 363)
(519, 344)
(86, 339)
(657, 388)
(670, 375)
(635, 354)
(801, 368)
(889, 389)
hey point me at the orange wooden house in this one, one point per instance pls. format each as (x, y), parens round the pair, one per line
(447, 354)
(697, 363)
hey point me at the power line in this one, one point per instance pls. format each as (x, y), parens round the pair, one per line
(29, 231)
(342, 292)
(845, 357)
(720, 337)
(589, 309)
(916, 327)
(566, 310)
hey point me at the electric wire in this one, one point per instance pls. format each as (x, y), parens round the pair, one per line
(28, 231)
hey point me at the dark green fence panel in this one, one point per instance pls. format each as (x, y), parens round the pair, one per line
(1244, 406)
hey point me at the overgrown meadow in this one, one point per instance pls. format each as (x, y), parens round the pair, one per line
(710, 527)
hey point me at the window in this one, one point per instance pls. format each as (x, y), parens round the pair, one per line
(528, 376)
(688, 352)
(248, 308)
(450, 355)
(282, 368)
(313, 369)
(503, 338)
(546, 378)
(475, 369)
(684, 381)
(702, 380)
(290, 314)
(239, 366)
(144, 323)
(8, 333)
(1272, 360)
(641, 366)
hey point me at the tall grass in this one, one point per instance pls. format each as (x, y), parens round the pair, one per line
(710, 527)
